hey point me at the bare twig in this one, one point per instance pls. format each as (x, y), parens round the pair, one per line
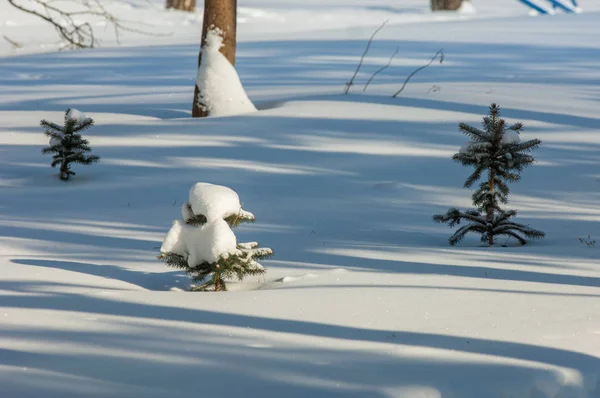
(434, 89)
(382, 68)
(362, 58)
(440, 53)
(74, 33)
(13, 43)
(589, 242)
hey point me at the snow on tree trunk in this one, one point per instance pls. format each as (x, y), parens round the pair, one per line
(182, 5)
(220, 91)
(222, 15)
(439, 5)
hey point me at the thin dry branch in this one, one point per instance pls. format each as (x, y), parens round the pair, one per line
(440, 53)
(76, 34)
(13, 43)
(362, 58)
(382, 68)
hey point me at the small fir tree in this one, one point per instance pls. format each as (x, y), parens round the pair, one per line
(66, 144)
(497, 152)
(187, 245)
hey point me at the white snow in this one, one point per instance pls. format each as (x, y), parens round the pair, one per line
(467, 7)
(464, 148)
(175, 241)
(54, 141)
(511, 137)
(221, 90)
(246, 214)
(364, 297)
(186, 213)
(74, 114)
(210, 242)
(214, 201)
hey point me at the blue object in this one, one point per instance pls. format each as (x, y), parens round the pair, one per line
(565, 5)
(536, 6)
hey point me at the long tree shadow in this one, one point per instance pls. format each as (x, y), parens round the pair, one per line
(146, 280)
(225, 358)
(282, 63)
(419, 262)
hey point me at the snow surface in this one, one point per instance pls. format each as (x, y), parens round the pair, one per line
(364, 297)
(214, 201)
(221, 91)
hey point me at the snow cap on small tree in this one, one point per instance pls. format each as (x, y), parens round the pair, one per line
(203, 244)
(220, 90)
(498, 152)
(66, 143)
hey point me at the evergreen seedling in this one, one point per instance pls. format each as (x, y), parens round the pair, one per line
(178, 248)
(498, 156)
(66, 143)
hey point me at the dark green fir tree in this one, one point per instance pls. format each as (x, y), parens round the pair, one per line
(498, 156)
(66, 143)
(189, 240)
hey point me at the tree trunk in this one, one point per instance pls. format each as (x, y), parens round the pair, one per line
(64, 170)
(490, 210)
(183, 5)
(219, 14)
(440, 5)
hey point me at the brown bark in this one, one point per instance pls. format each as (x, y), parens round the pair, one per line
(219, 285)
(439, 5)
(64, 170)
(219, 14)
(183, 5)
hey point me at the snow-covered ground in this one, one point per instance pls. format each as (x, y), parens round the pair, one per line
(364, 297)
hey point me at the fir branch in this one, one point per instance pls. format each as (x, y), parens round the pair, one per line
(473, 132)
(515, 235)
(69, 147)
(503, 163)
(458, 236)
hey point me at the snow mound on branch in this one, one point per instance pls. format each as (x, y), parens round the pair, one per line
(214, 202)
(511, 137)
(186, 213)
(472, 145)
(221, 91)
(208, 243)
(55, 141)
(174, 241)
(465, 147)
(74, 114)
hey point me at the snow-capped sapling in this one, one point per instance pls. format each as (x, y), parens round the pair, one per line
(498, 152)
(203, 244)
(66, 143)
